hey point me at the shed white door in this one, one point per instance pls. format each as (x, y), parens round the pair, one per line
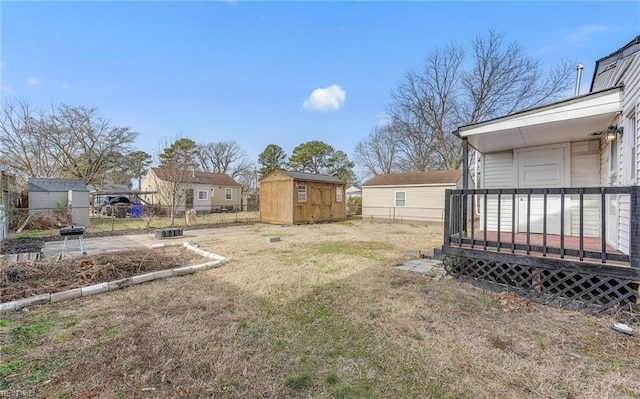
(542, 168)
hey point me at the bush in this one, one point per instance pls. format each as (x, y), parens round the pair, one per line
(355, 205)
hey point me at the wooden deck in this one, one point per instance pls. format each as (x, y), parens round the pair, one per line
(537, 247)
(593, 244)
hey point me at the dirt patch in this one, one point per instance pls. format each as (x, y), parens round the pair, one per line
(25, 279)
(21, 245)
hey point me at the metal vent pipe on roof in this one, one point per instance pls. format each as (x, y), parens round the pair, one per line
(579, 68)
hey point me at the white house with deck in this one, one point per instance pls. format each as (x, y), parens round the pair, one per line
(560, 181)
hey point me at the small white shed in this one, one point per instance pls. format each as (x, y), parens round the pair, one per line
(416, 196)
(47, 195)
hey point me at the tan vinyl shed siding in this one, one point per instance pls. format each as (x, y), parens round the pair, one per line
(422, 202)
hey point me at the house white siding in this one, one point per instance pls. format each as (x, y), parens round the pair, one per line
(621, 173)
(585, 172)
(590, 160)
(422, 202)
(497, 172)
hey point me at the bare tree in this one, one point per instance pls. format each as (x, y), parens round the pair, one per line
(378, 153)
(223, 157)
(177, 166)
(431, 103)
(63, 142)
(23, 143)
(249, 180)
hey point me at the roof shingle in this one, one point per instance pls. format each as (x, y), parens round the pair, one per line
(312, 177)
(199, 177)
(37, 184)
(401, 179)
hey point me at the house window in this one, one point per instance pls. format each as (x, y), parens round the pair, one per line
(203, 195)
(228, 194)
(613, 160)
(338, 194)
(401, 198)
(302, 193)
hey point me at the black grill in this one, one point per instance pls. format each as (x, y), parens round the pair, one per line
(72, 231)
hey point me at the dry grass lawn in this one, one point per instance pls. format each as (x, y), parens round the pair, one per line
(321, 314)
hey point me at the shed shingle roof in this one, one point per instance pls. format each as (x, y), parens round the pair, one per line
(198, 177)
(401, 179)
(312, 177)
(37, 184)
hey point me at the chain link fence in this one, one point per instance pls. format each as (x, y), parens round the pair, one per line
(120, 217)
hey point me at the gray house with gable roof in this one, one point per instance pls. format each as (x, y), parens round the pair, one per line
(47, 195)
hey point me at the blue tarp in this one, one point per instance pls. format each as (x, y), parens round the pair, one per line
(136, 211)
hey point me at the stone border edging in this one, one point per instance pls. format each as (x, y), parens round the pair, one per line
(121, 283)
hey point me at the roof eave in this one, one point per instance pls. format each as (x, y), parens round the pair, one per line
(574, 119)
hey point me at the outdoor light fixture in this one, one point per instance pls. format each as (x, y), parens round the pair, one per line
(612, 132)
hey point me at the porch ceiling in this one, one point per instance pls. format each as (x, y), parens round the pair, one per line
(565, 121)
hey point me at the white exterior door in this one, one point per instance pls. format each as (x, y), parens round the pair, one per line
(545, 167)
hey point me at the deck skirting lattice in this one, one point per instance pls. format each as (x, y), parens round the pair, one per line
(598, 291)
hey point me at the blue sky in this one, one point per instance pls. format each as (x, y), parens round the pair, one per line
(249, 71)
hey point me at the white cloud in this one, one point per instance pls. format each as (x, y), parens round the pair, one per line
(584, 33)
(6, 89)
(580, 36)
(33, 81)
(65, 86)
(325, 99)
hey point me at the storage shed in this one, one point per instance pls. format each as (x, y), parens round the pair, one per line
(294, 198)
(417, 196)
(49, 195)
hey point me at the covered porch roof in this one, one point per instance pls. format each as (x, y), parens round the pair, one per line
(575, 119)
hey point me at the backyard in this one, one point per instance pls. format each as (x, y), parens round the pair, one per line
(323, 313)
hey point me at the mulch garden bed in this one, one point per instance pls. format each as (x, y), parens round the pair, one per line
(29, 278)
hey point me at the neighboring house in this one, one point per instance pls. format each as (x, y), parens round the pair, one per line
(203, 191)
(417, 196)
(295, 198)
(354, 191)
(559, 193)
(50, 195)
